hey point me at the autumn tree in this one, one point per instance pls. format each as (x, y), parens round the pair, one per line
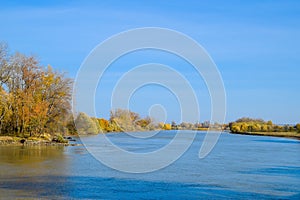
(246, 124)
(85, 124)
(167, 127)
(144, 123)
(105, 125)
(35, 99)
(98, 127)
(298, 128)
(125, 119)
(247, 119)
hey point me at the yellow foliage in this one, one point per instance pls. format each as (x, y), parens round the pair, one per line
(104, 125)
(298, 127)
(167, 126)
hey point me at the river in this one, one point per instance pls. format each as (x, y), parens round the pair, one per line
(239, 167)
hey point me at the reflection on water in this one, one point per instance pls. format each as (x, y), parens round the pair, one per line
(19, 161)
(29, 155)
(239, 167)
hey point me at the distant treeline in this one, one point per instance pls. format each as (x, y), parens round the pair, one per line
(120, 121)
(125, 120)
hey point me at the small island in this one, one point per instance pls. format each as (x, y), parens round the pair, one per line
(248, 126)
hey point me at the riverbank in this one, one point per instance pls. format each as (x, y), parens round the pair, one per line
(273, 134)
(18, 141)
(71, 141)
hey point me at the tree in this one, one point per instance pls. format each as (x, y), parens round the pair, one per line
(99, 129)
(36, 100)
(71, 126)
(174, 125)
(256, 128)
(126, 120)
(3, 108)
(144, 123)
(206, 124)
(167, 126)
(184, 125)
(264, 128)
(161, 125)
(104, 125)
(298, 127)
(244, 127)
(235, 128)
(247, 119)
(85, 125)
(58, 97)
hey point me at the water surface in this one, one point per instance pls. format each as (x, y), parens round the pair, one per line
(238, 167)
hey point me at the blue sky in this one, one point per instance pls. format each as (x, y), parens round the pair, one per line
(255, 45)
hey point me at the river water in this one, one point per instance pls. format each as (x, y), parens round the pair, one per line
(239, 167)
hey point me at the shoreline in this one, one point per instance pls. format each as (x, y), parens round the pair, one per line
(291, 135)
(18, 141)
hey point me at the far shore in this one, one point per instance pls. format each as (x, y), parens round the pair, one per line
(294, 135)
